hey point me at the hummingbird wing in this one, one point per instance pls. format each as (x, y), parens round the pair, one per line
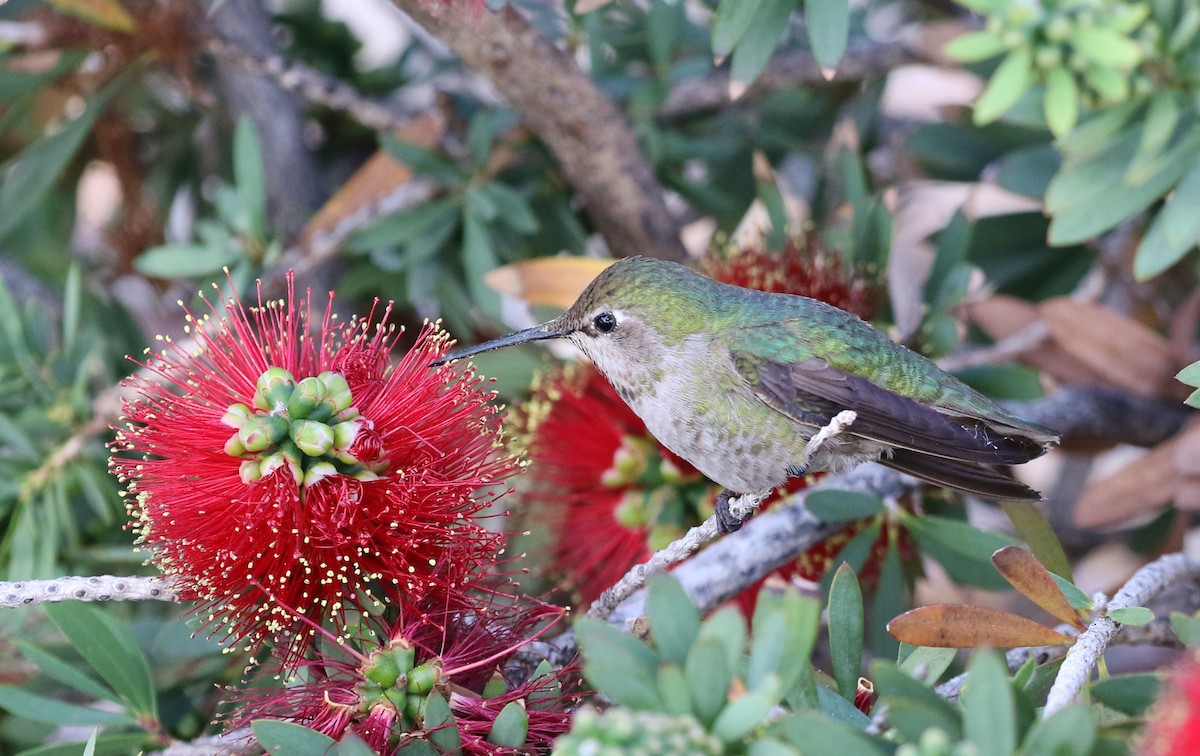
(901, 399)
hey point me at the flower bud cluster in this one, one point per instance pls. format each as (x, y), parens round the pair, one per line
(391, 679)
(622, 731)
(309, 427)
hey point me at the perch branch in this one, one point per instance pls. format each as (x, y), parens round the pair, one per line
(1145, 584)
(704, 533)
(94, 588)
(593, 144)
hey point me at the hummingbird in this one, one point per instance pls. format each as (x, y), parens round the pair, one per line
(736, 381)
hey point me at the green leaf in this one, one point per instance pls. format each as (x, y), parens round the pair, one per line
(813, 733)
(709, 676)
(65, 673)
(278, 737)
(846, 630)
(1187, 627)
(732, 19)
(674, 619)
(828, 25)
(1061, 101)
(479, 259)
(440, 727)
(1128, 694)
(1070, 731)
(1174, 231)
(619, 665)
(665, 22)
(785, 631)
(184, 261)
(771, 747)
(422, 160)
(913, 706)
(42, 709)
(673, 690)
(1105, 46)
(1098, 132)
(891, 599)
(728, 628)
(974, 46)
(1131, 615)
(30, 175)
(1032, 527)
(1013, 76)
(1077, 598)
(511, 727)
(1190, 375)
(831, 506)
(402, 228)
(1193, 399)
(767, 27)
(926, 661)
(514, 210)
(749, 711)
(111, 650)
(248, 175)
(1162, 116)
(831, 703)
(351, 745)
(989, 711)
(962, 549)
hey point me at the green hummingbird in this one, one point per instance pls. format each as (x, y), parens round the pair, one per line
(736, 381)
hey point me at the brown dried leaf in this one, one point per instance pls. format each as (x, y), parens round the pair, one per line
(550, 281)
(107, 14)
(375, 179)
(1024, 572)
(1002, 317)
(966, 626)
(1119, 350)
(1142, 487)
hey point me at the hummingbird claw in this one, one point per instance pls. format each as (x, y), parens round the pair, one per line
(726, 521)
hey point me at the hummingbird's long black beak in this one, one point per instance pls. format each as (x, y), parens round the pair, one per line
(537, 333)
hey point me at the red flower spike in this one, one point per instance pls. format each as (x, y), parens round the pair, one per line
(1173, 723)
(379, 692)
(280, 471)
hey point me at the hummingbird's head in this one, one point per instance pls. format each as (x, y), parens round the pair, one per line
(628, 314)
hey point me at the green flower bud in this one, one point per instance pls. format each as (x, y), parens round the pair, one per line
(236, 415)
(250, 471)
(369, 694)
(1047, 57)
(274, 388)
(234, 446)
(398, 699)
(337, 390)
(382, 669)
(631, 512)
(306, 397)
(405, 655)
(422, 678)
(1059, 28)
(414, 707)
(254, 434)
(317, 472)
(343, 438)
(277, 460)
(313, 438)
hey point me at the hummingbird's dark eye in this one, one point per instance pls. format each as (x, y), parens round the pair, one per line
(605, 322)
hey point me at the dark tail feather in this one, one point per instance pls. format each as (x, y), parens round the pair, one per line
(972, 477)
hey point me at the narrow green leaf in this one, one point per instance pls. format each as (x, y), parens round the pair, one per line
(989, 712)
(351, 745)
(1128, 694)
(913, 706)
(814, 733)
(709, 676)
(846, 630)
(111, 650)
(674, 619)
(422, 160)
(1105, 46)
(728, 628)
(974, 46)
(514, 209)
(926, 664)
(745, 714)
(1012, 77)
(771, 747)
(1190, 375)
(1061, 101)
(831, 703)
(283, 738)
(65, 673)
(1032, 527)
(785, 631)
(42, 709)
(732, 19)
(673, 690)
(1175, 230)
(1187, 627)
(891, 599)
(511, 727)
(962, 549)
(479, 259)
(72, 295)
(1070, 731)
(1193, 399)
(1132, 615)
(1162, 116)
(767, 28)
(832, 506)
(248, 175)
(173, 261)
(1077, 598)
(828, 25)
(402, 228)
(440, 726)
(665, 22)
(1097, 132)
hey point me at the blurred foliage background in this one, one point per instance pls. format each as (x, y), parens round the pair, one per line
(1016, 182)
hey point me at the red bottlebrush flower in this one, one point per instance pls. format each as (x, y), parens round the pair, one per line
(1173, 723)
(379, 688)
(608, 491)
(280, 470)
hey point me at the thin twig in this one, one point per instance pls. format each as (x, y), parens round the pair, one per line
(94, 588)
(1145, 584)
(1004, 350)
(704, 533)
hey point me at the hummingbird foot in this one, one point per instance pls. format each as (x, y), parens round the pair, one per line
(727, 521)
